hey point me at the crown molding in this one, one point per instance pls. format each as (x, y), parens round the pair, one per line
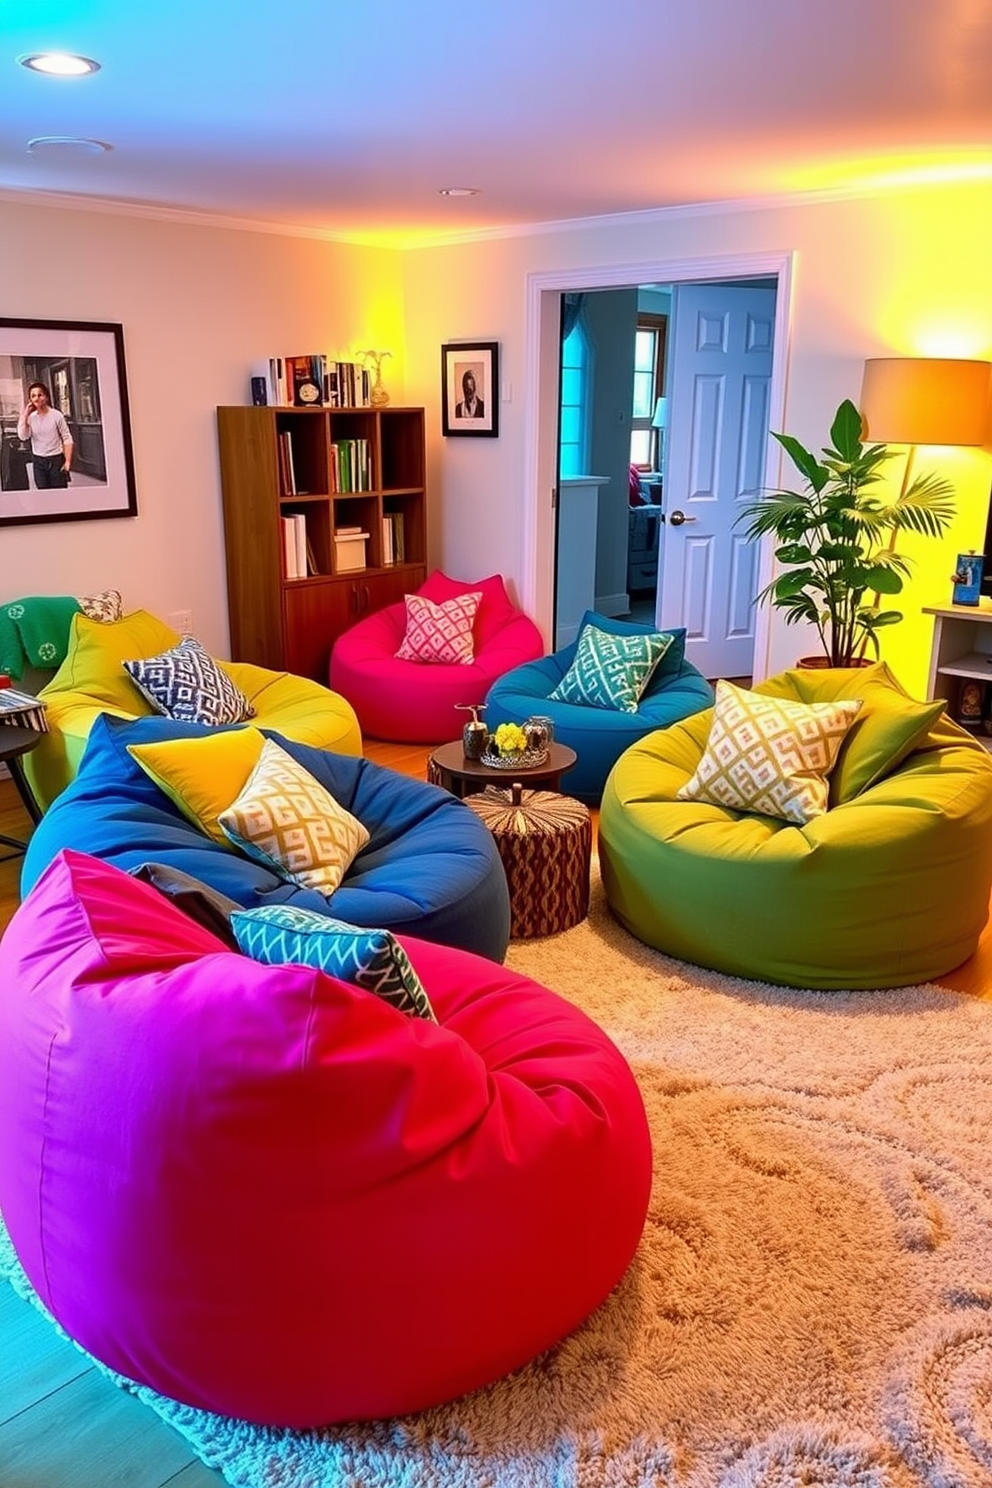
(411, 239)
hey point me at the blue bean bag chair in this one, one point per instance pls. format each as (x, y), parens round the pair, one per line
(599, 736)
(430, 868)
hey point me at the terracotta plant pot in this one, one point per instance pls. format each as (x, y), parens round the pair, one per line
(820, 663)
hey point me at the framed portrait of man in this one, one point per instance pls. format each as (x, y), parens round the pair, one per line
(470, 388)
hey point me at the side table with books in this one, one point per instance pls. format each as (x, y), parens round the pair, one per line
(22, 724)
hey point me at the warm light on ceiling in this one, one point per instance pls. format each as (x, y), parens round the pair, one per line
(890, 172)
(60, 64)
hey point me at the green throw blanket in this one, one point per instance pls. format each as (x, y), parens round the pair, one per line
(35, 632)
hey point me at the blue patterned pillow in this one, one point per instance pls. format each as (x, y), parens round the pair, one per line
(187, 684)
(611, 671)
(277, 934)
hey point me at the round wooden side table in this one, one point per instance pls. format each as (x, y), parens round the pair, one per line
(14, 742)
(448, 767)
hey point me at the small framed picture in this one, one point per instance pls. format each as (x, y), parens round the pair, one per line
(470, 388)
(65, 429)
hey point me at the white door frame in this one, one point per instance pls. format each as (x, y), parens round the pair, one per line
(543, 351)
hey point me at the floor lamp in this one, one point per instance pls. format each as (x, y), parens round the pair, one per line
(924, 400)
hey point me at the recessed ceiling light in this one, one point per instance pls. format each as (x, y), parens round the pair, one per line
(52, 144)
(59, 64)
(458, 191)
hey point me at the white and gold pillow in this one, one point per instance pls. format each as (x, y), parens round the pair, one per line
(770, 755)
(286, 820)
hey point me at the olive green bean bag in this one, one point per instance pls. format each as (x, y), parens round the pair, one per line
(890, 886)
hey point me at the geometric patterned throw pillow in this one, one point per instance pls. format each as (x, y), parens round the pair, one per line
(187, 684)
(107, 606)
(279, 934)
(611, 671)
(770, 755)
(440, 632)
(286, 820)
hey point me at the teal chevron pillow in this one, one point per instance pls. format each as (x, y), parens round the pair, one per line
(611, 671)
(277, 934)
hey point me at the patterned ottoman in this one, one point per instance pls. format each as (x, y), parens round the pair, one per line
(545, 843)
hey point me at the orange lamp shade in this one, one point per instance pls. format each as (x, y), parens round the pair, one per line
(925, 400)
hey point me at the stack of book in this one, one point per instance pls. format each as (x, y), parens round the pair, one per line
(311, 381)
(350, 465)
(22, 710)
(393, 547)
(299, 559)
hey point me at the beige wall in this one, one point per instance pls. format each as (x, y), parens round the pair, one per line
(198, 305)
(896, 275)
(901, 274)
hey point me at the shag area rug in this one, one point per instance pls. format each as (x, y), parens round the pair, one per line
(811, 1303)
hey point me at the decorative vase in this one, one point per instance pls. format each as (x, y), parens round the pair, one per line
(475, 735)
(378, 396)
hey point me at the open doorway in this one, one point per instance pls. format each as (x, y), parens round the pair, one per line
(545, 293)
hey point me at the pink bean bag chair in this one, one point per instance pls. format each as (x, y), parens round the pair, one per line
(268, 1193)
(414, 702)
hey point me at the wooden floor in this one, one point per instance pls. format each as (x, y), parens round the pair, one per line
(62, 1424)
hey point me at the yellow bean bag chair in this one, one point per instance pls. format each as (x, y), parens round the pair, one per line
(890, 886)
(92, 680)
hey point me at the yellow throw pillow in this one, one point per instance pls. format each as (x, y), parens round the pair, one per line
(285, 819)
(769, 755)
(202, 775)
(889, 727)
(97, 650)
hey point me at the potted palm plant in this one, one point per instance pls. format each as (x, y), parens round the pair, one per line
(836, 539)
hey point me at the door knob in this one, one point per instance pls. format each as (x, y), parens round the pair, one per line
(678, 517)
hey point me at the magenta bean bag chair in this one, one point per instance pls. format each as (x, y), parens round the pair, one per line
(267, 1193)
(415, 702)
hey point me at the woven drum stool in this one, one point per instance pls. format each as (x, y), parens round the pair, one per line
(545, 842)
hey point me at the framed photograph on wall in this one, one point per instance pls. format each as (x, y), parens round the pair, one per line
(65, 429)
(470, 388)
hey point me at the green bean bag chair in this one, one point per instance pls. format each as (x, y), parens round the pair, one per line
(888, 887)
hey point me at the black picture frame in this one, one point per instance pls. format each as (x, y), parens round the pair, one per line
(480, 361)
(81, 363)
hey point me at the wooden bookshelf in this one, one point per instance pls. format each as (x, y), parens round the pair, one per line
(281, 462)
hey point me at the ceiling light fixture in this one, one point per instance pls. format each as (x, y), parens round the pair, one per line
(458, 191)
(59, 64)
(44, 144)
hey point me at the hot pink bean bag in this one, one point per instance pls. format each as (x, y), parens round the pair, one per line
(267, 1193)
(414, 701)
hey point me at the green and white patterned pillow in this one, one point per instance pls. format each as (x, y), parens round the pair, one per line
(279, 934)
(611, 671)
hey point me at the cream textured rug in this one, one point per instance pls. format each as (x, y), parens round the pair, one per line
(811, 1304)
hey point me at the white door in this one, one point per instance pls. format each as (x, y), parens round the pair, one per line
(720, 365)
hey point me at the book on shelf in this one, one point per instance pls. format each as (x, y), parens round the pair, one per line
(22, 710)
(388, 553)
(312, 565)
(300, 542)
(287, 472)
(347, 531)
(399, 543)
(305, 380)
(288, 548)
